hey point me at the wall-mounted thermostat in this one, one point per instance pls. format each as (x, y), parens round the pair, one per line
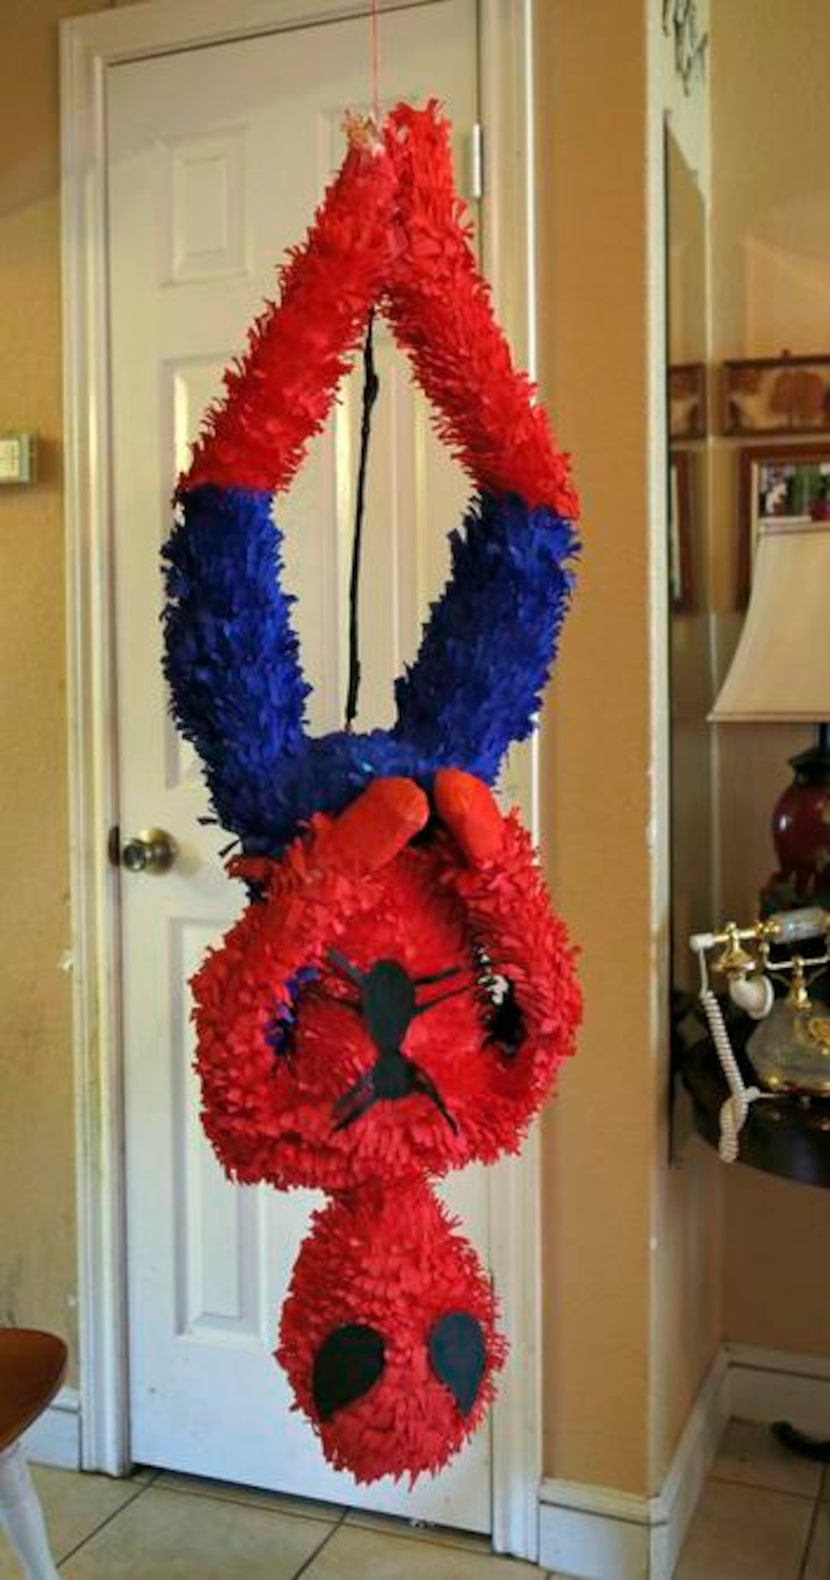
(18, 455)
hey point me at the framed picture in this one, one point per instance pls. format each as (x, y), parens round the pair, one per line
(681, 500)
(776, 395)
(687, 400)
(778, 483)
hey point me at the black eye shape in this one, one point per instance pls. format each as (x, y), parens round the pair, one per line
(351, 1360)
(347, 1364)
(458, 1356)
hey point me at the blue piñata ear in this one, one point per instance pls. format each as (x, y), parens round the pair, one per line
(487, 648)
(231, 655)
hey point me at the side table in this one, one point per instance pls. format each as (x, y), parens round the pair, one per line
(785, 1135)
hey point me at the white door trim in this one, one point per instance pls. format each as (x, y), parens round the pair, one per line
(90, 47)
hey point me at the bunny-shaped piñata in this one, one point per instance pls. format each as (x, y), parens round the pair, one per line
(396, 998)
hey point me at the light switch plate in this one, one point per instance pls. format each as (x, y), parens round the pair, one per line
(17, 458)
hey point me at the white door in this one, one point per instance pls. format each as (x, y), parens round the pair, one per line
(217, 158)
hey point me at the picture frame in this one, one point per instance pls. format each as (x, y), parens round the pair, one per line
(776, 395)
(680, 507)
(789, 482)
(688, 415)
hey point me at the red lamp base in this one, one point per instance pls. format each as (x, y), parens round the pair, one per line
(801, 833)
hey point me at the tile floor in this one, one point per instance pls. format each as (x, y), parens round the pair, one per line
(764, 1515)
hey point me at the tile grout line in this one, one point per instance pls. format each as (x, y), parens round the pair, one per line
(811, 1530)
(250, 1503)
(399, 1532)
(312, 1557)
(128, 1502)
(764, 1486)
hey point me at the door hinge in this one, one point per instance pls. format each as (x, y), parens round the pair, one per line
(476, 162)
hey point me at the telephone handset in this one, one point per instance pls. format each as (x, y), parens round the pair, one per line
(790, 1049)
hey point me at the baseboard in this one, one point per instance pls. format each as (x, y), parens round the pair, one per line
(55, 1438)
(772, 1385)
(598, 1533)
(593, 1532)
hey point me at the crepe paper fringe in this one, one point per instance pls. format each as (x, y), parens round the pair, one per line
(231, 655)
(337, 850)
(391, 229)
(237, 689)
(392, 1259)
(272, 1116)
(441, 311)
(489, 643)
(280, 393)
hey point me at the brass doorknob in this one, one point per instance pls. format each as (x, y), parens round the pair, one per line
(152, 850)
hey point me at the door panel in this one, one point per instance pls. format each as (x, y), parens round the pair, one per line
(217, 159)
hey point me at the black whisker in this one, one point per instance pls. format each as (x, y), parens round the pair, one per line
(441, 999)
(422, 1082)
(361, 1086)
(367, 1101)
(437, 976)
(344, 965)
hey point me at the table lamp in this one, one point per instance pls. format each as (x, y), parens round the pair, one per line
(780, 674)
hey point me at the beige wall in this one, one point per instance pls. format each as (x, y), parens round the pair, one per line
(633, 1259)
(633, 1244)
(600, 1138)
(37, 1225)
(771, 269)
(688, 1292)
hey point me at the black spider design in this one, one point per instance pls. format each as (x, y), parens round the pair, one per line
(387, 1004)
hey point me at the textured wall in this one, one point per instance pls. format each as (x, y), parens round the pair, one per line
(37, 1226)
(687, 1288)
(599, 1140)
(632, 1283)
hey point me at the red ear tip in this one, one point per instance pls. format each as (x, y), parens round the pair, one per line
(401, 800)
(468, 808)
(379, 823)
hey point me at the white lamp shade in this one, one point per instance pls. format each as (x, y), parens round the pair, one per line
(781, 669)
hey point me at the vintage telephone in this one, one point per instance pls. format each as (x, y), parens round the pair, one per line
(790, 1048)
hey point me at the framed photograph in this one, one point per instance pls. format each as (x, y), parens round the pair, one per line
(776, 395)
(778, 483)
(687, 401)
(681, 500)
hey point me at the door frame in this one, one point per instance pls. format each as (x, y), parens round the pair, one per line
(90, 47)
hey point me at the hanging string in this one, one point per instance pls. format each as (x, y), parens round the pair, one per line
(375, 61)
(371, 385)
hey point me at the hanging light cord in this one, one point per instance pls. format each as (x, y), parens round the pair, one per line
(374, 69)
(371, 385)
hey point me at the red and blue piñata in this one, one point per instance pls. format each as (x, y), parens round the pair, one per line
(398, 994)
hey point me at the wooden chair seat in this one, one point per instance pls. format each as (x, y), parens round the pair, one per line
(32, 1368)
